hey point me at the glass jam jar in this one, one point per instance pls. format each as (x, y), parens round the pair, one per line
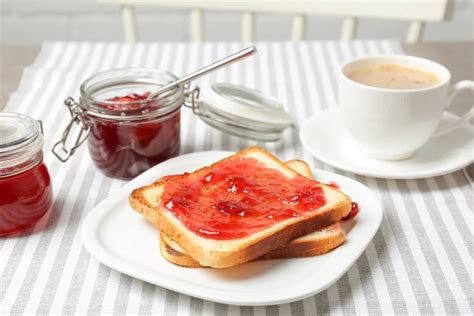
(25, 185)
(127, 132)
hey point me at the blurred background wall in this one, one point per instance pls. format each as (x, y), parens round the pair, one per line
(28, 22)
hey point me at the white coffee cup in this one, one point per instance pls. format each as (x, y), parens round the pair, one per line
(392, 124)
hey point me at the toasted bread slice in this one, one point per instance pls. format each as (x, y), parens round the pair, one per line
(230, 252)
(313, 244)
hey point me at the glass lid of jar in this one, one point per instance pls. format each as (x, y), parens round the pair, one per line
(242, 111)
(16, 129)
(20, 137)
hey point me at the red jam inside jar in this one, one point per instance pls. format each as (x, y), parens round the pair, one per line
(25, 185)
(25, 198)
(238, 197)
(131, 133)
(126, 149)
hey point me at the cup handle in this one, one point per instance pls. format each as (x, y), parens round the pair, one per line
(453, 92)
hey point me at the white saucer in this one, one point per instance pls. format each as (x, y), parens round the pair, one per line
(123, 240)
(325, 137)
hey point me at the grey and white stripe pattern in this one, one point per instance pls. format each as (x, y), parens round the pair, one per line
(420, 261)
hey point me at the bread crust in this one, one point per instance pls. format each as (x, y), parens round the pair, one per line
(177, 257)
(297, 248)
(300, 249)
(300, 167)
(249, 249)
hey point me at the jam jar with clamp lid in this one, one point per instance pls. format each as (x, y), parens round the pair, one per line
(25, 184)
(127, 132)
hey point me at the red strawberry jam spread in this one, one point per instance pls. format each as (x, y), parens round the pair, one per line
(238, 197)
(127, 148)
(354, 211)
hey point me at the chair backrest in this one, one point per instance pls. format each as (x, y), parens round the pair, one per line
(418, 12)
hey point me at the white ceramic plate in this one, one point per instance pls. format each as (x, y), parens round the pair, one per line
(326, 138)
(122, 239)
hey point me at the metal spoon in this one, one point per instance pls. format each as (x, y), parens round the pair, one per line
(249, 51)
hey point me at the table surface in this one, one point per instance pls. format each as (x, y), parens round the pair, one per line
(420, 261)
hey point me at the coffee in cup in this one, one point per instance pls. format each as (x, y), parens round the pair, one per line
(393, 76)
(392, 104)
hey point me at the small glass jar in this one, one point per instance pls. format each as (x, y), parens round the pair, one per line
(127, 132)
(25, 184)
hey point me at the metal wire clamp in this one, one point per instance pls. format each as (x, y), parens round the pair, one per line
(60, 149)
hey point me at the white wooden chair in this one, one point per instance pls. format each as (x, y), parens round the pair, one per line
(418, 12)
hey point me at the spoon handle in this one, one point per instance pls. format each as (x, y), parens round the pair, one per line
(206, 70)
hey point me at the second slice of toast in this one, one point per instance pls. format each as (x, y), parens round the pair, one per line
(229, 252)
(316, 243)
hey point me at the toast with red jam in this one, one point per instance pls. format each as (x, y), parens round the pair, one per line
(316, 243)
(239, 208)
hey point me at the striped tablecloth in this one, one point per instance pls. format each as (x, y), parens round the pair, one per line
(420, 261)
